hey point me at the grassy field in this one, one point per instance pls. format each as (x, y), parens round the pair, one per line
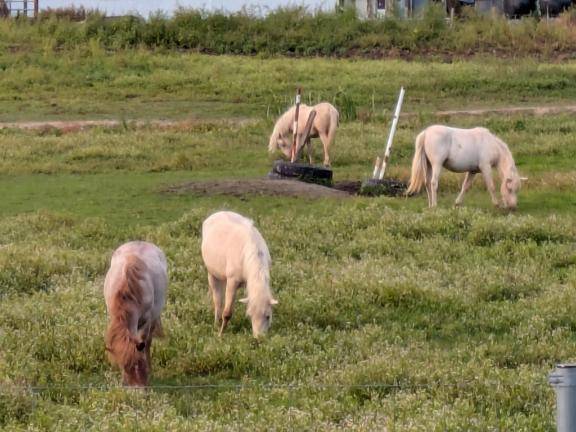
(390, 316)
(91, 83)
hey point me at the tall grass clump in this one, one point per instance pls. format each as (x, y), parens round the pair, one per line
(297, 31)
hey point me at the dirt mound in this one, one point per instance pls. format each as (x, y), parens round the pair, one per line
(269, 187)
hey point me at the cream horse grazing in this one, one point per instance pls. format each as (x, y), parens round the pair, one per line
(235, 253)
(135, 292)
(324, 127)
(463, 150)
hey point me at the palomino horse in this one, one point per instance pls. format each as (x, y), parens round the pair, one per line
(235, 253)
(324, 127)
(135, 292)
(463, 150)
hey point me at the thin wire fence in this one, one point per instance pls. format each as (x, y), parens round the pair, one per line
(268, 386)
(189, 401)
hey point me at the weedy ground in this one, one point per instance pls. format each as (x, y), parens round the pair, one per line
(391, 315)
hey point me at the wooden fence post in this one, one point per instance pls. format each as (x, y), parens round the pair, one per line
(304, 138)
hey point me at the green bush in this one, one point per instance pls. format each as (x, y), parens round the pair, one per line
(298, 32)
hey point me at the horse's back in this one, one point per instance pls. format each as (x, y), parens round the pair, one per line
(151, 265)
(148, 252)
(225, 238)
(325, 107)
(460, 150)
(224, 228)
(443, 130)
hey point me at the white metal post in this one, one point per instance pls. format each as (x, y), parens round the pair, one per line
(391, 135)
(295, 126)
(563, 379)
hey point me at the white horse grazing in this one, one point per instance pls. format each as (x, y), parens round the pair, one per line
(235, 253)
(135, 292)
(324, 127)
(463, 150)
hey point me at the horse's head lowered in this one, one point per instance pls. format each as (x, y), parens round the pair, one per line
(509, 189)
(281, 143)
(260, 312)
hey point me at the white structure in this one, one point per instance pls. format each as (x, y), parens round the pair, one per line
(370, 9)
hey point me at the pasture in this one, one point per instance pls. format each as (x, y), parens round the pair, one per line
(390, 315)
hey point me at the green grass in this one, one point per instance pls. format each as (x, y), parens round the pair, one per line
(83, 83)
(457, 314)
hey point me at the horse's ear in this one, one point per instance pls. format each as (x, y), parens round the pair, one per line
(273, 302)
(244, 300)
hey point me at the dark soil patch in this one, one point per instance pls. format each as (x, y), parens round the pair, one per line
(388, 187)
(350, 186)
(269, 187)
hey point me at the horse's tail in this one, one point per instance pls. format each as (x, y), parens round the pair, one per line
(119, 339)
(134, 269)
(419, 165)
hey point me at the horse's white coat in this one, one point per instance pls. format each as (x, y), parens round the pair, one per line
(463, 150)
(153, 283)
(323, 127)
(235, 253)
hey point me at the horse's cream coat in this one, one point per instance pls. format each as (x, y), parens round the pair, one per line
(463, 150)
(135, 293)
(235, 253)
(323, 127)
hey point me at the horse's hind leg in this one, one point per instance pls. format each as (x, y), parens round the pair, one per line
(468, 179)
(217, 290)
(427, 183)
(326, 144)
(433, 196)
(231, 287)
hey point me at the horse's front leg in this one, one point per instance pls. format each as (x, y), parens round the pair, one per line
(309, 147)
(231, 287)
(468, 179)
(487, 174)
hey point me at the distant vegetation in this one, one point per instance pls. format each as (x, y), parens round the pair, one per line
(298, 32)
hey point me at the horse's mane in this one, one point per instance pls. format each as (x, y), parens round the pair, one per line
(281, 128)
(119, 341)
(257, 261)
(284, 125)
(508, 158)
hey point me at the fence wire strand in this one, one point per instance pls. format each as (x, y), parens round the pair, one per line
(266, 386)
